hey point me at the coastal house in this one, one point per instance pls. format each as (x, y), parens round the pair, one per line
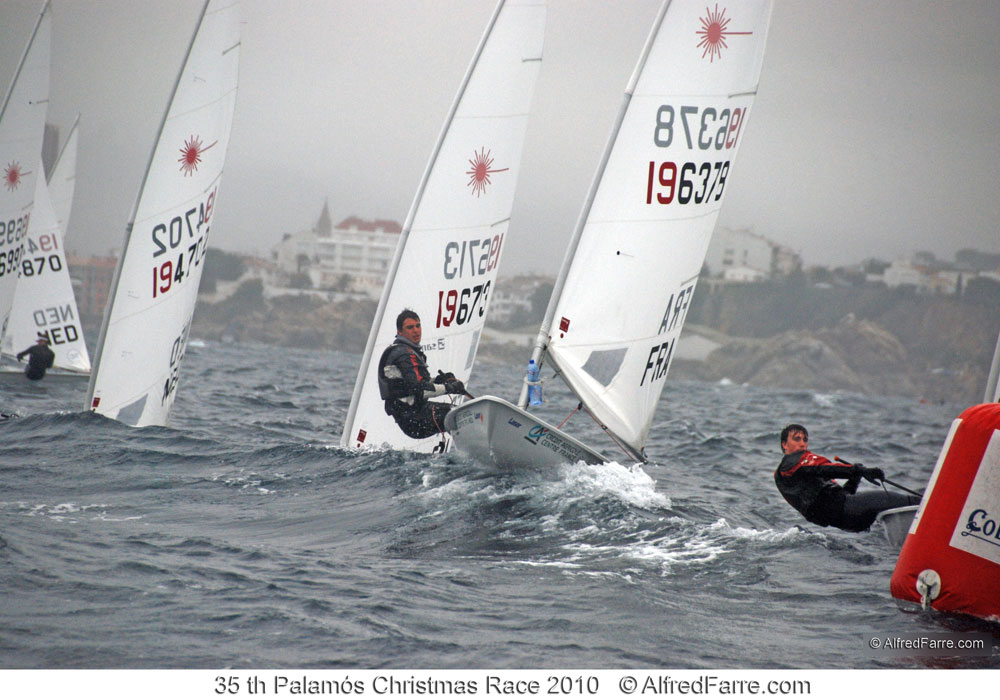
(353, 255)
(740, 255)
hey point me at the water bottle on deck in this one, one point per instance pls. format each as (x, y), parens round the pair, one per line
(534, 385)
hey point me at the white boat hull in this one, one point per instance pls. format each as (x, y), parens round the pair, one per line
(11, 373)
(896, 523)
(501, 435)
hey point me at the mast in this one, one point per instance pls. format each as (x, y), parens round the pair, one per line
(99, 351)
(366, 358)
(24, 57)
(992, 388)
(541, 340)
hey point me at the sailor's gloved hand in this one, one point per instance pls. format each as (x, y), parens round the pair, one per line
(454, 386)
(443, 377)
(872, 474)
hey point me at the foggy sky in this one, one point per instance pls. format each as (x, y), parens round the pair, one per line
(874, 131)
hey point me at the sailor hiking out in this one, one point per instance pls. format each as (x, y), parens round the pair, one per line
(805, 480)
(405, 383)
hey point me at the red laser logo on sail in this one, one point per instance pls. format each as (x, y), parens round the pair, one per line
(713, 33)
(13, 175)
(191, 154)
(482, 168)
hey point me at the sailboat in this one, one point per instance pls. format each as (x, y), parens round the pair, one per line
(22, 124)
(626, 283)
(44, 304)
(449, 250)
(146, 324)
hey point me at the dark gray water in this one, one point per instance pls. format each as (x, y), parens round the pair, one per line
(243, 536)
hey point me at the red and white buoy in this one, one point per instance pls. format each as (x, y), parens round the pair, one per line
(951, 558)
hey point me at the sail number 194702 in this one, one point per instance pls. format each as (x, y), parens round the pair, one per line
(169, 237)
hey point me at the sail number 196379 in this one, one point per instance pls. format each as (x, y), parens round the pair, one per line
(691, 182)
(704, 130)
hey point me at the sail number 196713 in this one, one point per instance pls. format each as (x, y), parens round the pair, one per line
(472, 258)
(190, 250)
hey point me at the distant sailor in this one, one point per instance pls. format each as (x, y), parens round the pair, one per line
(806, 481)
(40, 358)
(405, 383)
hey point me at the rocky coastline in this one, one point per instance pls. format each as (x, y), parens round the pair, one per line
(851, 355)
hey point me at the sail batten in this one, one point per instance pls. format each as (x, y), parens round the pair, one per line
(446, 261)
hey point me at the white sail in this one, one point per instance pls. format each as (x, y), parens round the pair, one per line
(62, 182)
(446, 263)
(44, 303)
(22, 124)
(152, 299)
(613, 323)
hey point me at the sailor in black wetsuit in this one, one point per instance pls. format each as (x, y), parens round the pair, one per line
(805, 481)
(405, 383)
(40, 358)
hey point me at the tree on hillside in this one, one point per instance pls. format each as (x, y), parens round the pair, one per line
(983, 290)
(247, 297)
(540, 299)
(220, 265)
(301, 263)
(300, 280)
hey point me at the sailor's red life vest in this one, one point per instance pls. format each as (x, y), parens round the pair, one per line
(808, 459)
(952, 552)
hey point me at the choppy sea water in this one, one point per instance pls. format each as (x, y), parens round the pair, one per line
(243, 536)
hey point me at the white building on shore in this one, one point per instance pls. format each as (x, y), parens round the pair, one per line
(353, 255)
(744, 256)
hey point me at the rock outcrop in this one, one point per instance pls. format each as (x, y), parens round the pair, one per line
(855, 356)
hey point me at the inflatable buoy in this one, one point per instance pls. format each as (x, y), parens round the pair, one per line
(950, 560)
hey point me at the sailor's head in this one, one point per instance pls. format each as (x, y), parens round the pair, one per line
(42, 340)
(408, 326)
(794, 438)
